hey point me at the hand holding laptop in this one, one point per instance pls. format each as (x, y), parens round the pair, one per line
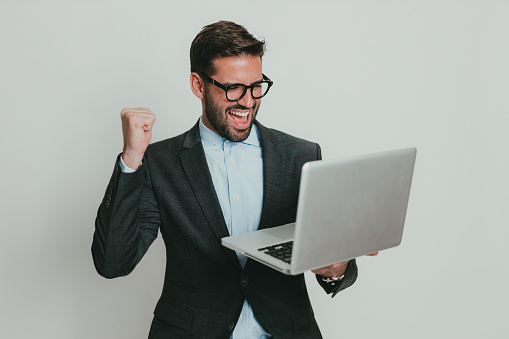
(336, 270)
(347, 208)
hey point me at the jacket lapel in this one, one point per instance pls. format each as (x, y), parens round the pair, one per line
(272, 175)
(197, 171)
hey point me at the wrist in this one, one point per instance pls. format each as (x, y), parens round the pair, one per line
(334, 279)
(132, 160)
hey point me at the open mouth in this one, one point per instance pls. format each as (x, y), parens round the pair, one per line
(240, 118)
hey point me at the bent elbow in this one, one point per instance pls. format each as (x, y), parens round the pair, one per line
(109, 273)
(108, 269)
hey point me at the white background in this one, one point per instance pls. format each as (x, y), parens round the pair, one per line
(355, 76)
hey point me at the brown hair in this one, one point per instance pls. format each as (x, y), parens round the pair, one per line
(222, 39)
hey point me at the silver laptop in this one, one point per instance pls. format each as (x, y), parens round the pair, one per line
(347, 208)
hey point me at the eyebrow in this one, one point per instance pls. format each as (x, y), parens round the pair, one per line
(239, 83)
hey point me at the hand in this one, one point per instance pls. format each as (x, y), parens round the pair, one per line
(137, 130)
(336, 270)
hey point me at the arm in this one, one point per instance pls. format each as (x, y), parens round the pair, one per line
(127, 223)
(128, 218)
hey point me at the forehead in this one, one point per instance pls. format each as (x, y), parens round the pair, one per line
(244, 69)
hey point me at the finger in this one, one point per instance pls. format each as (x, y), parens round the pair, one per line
(372, 254)
(320, 271)
(148, 126)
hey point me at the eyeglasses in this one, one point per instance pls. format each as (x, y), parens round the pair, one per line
(235, 92)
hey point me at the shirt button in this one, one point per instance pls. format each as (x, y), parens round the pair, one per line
(236, 197)
(244, 281)
(231, 326)
(232, 161)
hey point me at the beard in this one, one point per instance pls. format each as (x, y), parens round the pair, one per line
(218, 118)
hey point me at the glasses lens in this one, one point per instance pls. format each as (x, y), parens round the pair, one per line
(260, 89)
(235, 92)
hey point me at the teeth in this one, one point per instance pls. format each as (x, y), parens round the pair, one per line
(240, 114)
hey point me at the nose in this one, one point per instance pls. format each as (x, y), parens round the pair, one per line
(247, 100)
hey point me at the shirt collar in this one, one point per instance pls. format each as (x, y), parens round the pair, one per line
(210, 138)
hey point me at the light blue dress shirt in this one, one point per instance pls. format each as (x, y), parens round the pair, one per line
(237, 173)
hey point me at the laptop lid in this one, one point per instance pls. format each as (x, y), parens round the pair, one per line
(347, 208)
(351, 207)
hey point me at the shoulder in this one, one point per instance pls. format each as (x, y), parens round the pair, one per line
(286, 142)
(285, 138)
(277, 136)
(175, 145)
(163, 147)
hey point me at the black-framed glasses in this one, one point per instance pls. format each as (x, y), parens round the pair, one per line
(235, 92)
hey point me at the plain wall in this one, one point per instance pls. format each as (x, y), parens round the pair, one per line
(355, 76)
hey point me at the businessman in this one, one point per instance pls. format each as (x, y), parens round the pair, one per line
(227, 175)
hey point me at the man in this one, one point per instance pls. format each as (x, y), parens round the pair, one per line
(227, 175)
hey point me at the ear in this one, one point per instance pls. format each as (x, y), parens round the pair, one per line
(197, 86)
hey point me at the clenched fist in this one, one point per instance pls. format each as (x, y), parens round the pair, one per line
(137, 130)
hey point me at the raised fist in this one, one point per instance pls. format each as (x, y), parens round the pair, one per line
(137, 130)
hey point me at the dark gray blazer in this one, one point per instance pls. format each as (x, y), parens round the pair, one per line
(205, 286)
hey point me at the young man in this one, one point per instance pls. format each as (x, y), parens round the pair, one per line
(227, 175)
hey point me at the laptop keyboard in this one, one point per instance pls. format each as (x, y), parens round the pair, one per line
(281, 251)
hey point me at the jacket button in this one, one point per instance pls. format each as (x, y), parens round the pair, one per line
(244, 281)
(231, 326)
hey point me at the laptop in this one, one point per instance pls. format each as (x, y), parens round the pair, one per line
(347, 208)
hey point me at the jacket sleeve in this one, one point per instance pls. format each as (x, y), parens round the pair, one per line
(351, 269)
(127, 222)
(348, 280)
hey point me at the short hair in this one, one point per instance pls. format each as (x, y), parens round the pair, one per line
(222, 39)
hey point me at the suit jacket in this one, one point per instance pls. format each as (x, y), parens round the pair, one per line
(205, 285)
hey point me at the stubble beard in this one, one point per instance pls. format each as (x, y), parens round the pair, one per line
(218, 118)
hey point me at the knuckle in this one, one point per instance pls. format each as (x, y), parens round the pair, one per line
(131, 118)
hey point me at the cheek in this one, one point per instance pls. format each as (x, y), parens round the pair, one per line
(220, 107)
(257, 106)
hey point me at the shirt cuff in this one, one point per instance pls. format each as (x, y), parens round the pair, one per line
(123, 167)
